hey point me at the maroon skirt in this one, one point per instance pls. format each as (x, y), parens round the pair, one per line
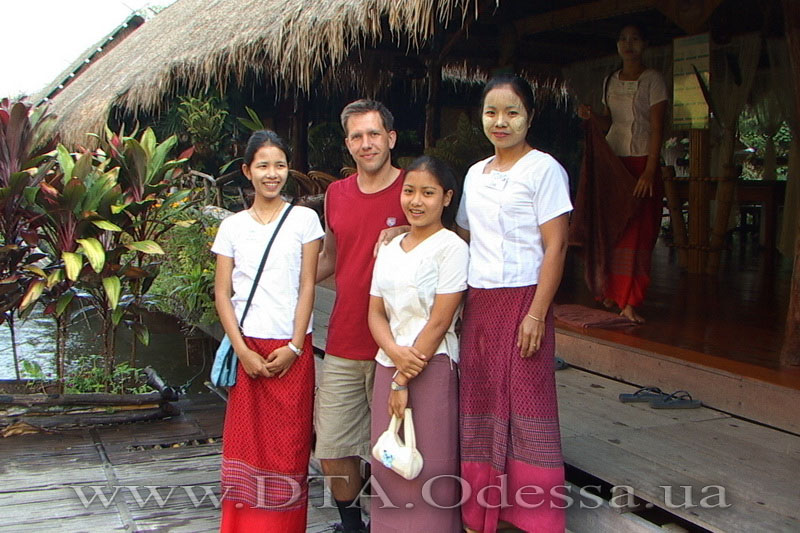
(431, 501)
(511, 458)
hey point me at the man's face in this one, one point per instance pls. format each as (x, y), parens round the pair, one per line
(368, 142)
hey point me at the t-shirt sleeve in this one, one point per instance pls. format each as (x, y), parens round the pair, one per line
(658, 89)
(461, 214)
(222, 242)
(453, 263)
(374, 290)
(312, 229)
(552, 193)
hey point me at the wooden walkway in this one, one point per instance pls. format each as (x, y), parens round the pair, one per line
(606, 443)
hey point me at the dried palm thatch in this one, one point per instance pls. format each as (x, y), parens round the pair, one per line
(201, 44)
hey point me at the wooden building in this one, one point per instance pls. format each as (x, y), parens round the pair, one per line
(306, 51)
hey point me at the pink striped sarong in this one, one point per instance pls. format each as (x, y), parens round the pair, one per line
(510, 441)
(266, 446)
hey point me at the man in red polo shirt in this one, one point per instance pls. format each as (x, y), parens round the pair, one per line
(357, 209)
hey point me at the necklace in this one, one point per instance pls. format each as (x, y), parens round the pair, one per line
(271, 216)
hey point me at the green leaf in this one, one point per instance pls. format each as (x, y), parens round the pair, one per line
(118, 208)
(142, 333)
(34, 291)
(116, 315)
(63, 302)
(66, 162)
(94, 252)
(73, 263)
(113, 287)
(148, 247)
(185, 223)
(36, 270)
(55, 277)
(106, 225)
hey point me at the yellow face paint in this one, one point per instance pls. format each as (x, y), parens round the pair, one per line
(505, 121)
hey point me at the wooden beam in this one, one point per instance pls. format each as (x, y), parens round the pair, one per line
(562, 18)
(790, 353)
(689, 15)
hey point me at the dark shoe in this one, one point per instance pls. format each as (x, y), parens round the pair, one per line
(561, 364)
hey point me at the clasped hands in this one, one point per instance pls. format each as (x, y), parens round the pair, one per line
(277, 363)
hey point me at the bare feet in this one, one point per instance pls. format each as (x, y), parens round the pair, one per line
(630, 313)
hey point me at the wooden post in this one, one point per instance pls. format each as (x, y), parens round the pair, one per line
(725, 190)
(675, 214)
(790, 353)
(432, 105)
(300, 134)
(698, 200)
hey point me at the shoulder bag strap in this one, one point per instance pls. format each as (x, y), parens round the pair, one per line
(264, 262)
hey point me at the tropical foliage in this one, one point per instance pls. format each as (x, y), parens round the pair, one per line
(81, 231)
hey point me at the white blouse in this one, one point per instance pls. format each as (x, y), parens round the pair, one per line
(503, 212)
(271, 315)
(630, 103)
(408, 282)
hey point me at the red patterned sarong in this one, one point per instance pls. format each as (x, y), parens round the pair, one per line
(510, 440)
(633, 252)
(266, 446)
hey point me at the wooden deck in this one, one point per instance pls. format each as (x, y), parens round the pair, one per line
(606, 443)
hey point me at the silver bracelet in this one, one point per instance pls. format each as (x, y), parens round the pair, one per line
(297, 351)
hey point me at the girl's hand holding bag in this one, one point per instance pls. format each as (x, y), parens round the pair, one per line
(402, 457)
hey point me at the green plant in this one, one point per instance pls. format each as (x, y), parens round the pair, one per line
(207, 122)
(25, 140)
(88, 374)
(185, 286)
(463, 147)
(326, 149)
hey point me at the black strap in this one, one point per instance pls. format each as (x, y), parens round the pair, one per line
(264, 262)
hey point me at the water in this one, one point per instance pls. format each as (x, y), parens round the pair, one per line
(167, 352)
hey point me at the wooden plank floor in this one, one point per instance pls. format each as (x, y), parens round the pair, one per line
(648, 449)
(620, 444)
(738, 314)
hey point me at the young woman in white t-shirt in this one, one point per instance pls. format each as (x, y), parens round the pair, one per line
(417, 287)
(268, 421)
(635, 99)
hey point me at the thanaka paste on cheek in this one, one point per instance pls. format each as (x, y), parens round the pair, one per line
(488, 122)
(518, 124)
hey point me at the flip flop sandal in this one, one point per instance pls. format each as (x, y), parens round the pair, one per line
(677, 400)
(561, 364)
(645, 394)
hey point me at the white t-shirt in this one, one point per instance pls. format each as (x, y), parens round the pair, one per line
(630, 103)
(503, 212)
(240, 236)
(408, 282)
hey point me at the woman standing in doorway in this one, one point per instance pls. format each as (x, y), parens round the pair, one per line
(635, 101)
(514, 214)
(268, 421)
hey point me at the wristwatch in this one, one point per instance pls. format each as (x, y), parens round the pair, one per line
(397, 386)
(297, 351)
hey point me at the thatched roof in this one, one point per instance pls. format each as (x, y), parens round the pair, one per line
(198, 44)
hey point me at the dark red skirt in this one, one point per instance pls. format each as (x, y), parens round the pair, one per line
(510, 437)
(266, 446)
(632, 255)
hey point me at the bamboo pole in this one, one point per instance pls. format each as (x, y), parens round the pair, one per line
(725, 191)
(790, 352)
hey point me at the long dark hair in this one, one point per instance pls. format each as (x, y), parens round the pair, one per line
(445, 177)
(264, 138)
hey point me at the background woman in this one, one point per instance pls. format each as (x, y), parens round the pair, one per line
(635, 99)
(514, 213)
(268, 422)
(415, 299)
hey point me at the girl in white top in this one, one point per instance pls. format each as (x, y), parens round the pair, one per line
(415, 299)
(635, 99)
(514, 214)
(268, 422)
